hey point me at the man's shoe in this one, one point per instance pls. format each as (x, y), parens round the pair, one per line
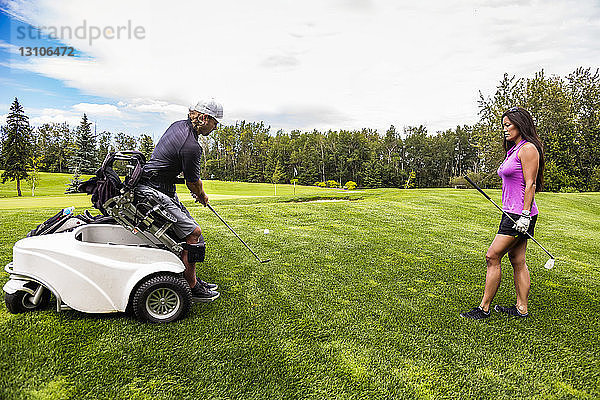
(475, 313)
(202, 294)
(209, 286)
(513, 311)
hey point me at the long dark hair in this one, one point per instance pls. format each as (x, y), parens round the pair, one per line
(521, 118)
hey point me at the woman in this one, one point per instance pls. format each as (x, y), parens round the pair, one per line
(522, 175)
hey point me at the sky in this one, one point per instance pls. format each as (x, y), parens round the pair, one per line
(339, 64)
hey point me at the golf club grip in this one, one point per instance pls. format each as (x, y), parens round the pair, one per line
(477, 187)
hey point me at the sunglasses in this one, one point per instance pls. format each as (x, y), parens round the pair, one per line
(199, 115)
(513, 109)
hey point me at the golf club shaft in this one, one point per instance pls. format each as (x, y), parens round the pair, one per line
(231, 229)
(505, 213)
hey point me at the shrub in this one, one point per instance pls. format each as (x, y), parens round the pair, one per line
(568, 189)
(350, 185)
(458, 182)
(491, 181)
(75, 182)
(487, 181)
(332, 184)
(554, 177)
(410, 181)
(320, 184)
(557, 180)
(595, 180)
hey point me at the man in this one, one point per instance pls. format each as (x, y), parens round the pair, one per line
(178, 151)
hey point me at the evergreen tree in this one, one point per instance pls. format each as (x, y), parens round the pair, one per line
(65, 147)
(16, 148)
(147, 146)
(104, 145)
(34, 173)
(277, 175)
(76, 180)
(53, 147)
(84, 160)
(410, 181)
(3, 130)
(124, 142)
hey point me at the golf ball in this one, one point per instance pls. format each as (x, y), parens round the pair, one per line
(266, 231)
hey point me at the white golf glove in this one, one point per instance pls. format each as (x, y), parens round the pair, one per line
(522, 224)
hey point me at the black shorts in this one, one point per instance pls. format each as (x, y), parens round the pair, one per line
(185, 222)
(506, 226)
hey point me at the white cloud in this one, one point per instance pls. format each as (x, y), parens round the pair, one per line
(50, 115)
(314, 64)
(156, 106)
(7, 46)
(132, 117)
(47, 115)
(107, 110)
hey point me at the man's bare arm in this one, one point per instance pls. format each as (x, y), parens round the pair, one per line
(197, 190)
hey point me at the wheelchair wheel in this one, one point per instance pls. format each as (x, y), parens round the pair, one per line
(162, 298)
(22, 301)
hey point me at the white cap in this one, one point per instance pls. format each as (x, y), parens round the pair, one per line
(209, 107)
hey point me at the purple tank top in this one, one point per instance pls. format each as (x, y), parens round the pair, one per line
(513, 182)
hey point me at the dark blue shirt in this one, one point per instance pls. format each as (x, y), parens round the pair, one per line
(177, 151)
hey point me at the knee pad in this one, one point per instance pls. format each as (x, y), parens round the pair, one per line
(195, 251)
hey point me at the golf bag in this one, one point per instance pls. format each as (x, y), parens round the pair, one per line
(107, 183)
(145, 216)
(64, 221)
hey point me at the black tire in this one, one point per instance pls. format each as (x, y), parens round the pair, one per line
(20, 301)
(162, 298)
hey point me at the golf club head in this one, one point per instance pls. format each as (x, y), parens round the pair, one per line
(265, 261)
(549, 264)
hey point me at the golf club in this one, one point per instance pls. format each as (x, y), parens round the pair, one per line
(550, 263)
(231, 229)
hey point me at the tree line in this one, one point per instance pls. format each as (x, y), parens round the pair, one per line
(407, 158)
(567, 115)
(56, 147)
(566, 111)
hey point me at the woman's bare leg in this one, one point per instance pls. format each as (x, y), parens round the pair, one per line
(499, 247)
(516, 255)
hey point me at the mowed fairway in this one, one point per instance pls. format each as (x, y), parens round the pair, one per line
(360, 301)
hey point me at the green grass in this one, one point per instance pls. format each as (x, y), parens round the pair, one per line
(360, 301)
(50, 192)
(47, 185)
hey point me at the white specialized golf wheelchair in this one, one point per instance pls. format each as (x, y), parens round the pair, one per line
(132, 263)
